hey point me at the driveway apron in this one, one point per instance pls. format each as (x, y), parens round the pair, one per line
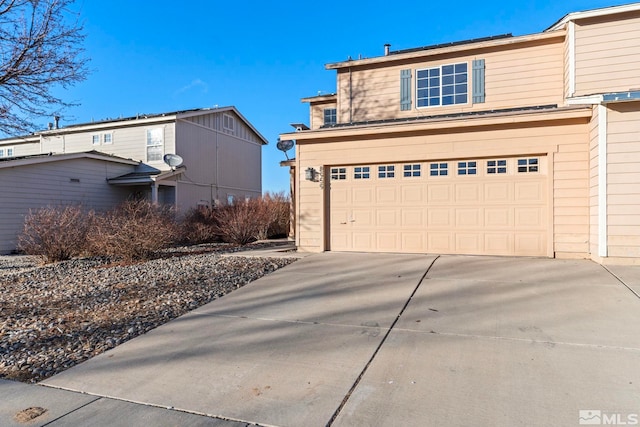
(284, 350)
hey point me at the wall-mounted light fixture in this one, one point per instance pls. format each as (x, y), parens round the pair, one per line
(310, 174)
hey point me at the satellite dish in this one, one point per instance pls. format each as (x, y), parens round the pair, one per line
(172, 160)
(285, 146)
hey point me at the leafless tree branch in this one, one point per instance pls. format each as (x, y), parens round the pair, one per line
(40, 50)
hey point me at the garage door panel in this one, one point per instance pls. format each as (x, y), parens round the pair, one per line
(468, 243)
(363, 241)
(498, 217)
(498, 243)
(468, 218)
(439, 194)
(361, 218)
(529, 243)
(362, 196)
(412, 217)
(413, 242)
(468, 193)
(440, 217)
(387, 218)
(530, 217)
(412, 194)
(498, 192)
(387, 195)
(340, 240)
(440, 242)
(388, 242)
(532, 191)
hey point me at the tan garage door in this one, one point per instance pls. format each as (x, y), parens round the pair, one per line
(479, 206)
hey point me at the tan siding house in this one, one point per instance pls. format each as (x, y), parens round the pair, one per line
(220, 149)
(524, 146)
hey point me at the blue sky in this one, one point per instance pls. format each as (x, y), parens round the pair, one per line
(160, 56)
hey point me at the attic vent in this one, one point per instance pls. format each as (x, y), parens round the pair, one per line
(228, 122)
(74, 179)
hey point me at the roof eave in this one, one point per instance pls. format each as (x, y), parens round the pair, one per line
(594, 13)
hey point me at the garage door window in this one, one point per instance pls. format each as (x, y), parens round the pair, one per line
(528, 165)
(386, 171)
(338, 173)
(438, 169)
(412, 170)
(496, 166)
(467, 168)
(361, 172)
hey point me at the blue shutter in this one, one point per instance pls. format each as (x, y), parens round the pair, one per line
(478, 81)
(405, 90)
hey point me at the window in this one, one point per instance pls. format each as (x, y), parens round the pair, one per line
(496, 166)
(155, 144)
(6, 152)
(338, 173)
(230, 199)
(528, 165)
(95, 139)
(467, 168)
(386, 171)
(438, 169)
(412, 170)
(228, 122)
(107, 138)
(445, 85)
(361, 172)
(330, 116)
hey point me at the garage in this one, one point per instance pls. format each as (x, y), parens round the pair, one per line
(492, 206)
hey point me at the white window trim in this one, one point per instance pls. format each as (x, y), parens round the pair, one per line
(469, 88)
(411, 170)
(146, 142)
(4, 152)
(104, 138)
(94, 137)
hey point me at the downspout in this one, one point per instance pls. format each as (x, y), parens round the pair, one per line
(217, 183)
(571, 36)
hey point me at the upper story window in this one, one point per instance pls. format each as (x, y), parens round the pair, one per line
(102, 138)
(6, 152)
(155, 144)
(330, 116)
(95, 139)
(107, 138)
(228, 122)
(441, 86)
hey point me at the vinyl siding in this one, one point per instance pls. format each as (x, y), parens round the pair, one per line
(317, 113)
(567, 146)
(34, 186)
(623, 155)
(531, 74)
(218, 163)
(608, 54)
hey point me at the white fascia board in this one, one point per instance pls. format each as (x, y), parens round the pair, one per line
(574, 16)
(585, 100)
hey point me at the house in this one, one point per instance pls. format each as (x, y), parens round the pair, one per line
(101, 164)
(521, 146)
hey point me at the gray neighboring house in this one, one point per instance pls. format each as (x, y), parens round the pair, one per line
(101, 164)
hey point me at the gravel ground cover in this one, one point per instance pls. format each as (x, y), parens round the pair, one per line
(55, 316)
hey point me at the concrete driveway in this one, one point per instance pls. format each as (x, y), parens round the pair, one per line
(387, 340)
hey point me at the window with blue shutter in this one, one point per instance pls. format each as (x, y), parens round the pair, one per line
(478, 81)
(405, 90)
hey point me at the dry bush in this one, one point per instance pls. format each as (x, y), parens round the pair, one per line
(239, 222)
(274, 215)
(199, 225)
(55, 233)
(134, 230)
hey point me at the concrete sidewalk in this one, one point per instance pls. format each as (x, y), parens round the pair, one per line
(368, 339)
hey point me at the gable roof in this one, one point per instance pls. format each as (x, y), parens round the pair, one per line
(138, 119)
(11, 162)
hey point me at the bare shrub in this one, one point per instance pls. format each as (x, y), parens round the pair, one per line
(199, 225)
(134, 230)
(239, 222)
(55, 233)
(274, 215)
